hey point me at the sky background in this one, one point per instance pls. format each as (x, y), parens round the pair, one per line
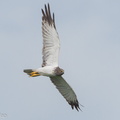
(89, 31)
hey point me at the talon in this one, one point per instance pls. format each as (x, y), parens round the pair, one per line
(34, 74)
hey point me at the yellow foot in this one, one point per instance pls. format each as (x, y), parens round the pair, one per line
(34, 74)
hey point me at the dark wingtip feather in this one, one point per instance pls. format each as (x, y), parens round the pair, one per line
(43, 12)
(53, 18)
(47, 15)
(75, 105)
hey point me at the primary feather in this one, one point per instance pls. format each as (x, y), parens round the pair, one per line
(51, 42)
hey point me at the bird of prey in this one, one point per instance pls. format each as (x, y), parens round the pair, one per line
(50, 51)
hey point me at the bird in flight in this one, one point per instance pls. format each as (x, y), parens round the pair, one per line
(50, 51)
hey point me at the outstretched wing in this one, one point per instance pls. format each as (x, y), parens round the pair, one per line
(66, 91)
(51, 43)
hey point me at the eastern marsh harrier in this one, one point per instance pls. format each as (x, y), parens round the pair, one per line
(50, 68)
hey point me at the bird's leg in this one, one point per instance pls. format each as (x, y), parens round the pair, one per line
(34, 74)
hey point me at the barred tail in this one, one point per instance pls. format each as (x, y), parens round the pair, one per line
(28, 71)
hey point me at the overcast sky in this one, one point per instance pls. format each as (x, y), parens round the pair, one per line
(89, 31)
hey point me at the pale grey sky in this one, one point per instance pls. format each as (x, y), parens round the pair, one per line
(89, 31)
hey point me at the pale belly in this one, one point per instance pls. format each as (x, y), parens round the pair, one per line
(46, 71)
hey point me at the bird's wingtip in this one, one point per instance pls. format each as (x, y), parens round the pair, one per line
(76, 105)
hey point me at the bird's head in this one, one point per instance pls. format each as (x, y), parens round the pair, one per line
(59, 71)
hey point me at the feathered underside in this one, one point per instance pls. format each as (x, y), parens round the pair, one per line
(66, 91)
(51, 42)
